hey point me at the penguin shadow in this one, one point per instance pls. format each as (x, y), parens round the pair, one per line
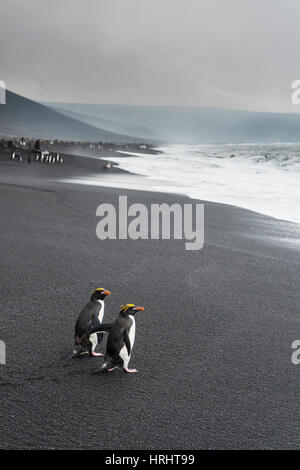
(63, 363)
(55, 370)
(71, 362)
(96, 371)
(105, 372)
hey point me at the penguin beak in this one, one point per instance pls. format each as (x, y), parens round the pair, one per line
(106, 292)
(138, 308)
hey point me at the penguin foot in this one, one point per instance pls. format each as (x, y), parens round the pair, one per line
(78, 355)
(110, 370)
(130, 371)
(97, 354)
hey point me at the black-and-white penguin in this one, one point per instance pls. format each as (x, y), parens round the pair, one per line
(89, 319)
(120, 340)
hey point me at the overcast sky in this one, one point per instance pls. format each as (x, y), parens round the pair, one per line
(225, 53)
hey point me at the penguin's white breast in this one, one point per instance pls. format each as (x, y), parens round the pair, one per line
(132, 331)
(101, 311)
(124, 353)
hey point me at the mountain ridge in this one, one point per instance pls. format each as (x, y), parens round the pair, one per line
(21, 116)
(187, 125)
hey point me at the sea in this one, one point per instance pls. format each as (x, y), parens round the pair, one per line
(264, 178)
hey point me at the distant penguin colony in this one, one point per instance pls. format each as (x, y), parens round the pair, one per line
(89, 331)
(38, 156)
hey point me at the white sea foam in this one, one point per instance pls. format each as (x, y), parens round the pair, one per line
(261, 177)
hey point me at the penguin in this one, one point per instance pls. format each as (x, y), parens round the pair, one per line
(120, 339)
(90, 317)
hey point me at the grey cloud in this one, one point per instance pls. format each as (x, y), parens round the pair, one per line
(224, 53)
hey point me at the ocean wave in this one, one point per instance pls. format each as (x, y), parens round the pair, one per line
(260, 177)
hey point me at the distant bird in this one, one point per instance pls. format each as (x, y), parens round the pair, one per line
(120, 340)
(16, 155)
(107, 165)
(90, 318)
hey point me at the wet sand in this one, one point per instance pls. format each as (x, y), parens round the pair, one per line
(213, 347)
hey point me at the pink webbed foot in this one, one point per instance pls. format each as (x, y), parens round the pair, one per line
(110, 370)
(94, 354)
(130, 371)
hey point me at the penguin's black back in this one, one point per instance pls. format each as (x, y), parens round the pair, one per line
(88, 318)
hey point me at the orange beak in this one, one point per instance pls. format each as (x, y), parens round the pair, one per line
(106, 292)
(139, 308)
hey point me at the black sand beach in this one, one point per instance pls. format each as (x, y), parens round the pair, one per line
(213, 347)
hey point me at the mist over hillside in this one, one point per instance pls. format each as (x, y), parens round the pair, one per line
(180, 125)
(149, 124)
(110, 125)
(23, 117)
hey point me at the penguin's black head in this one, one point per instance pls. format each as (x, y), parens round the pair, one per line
(99, 294)
(130, 309)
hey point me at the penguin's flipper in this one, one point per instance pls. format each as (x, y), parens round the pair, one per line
(106, 327)
(102, 327)
(95, 320)
(127, 341)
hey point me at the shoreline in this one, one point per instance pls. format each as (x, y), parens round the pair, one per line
(82, 170)
(216, 188)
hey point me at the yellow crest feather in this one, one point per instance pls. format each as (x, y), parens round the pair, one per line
(126, 307)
